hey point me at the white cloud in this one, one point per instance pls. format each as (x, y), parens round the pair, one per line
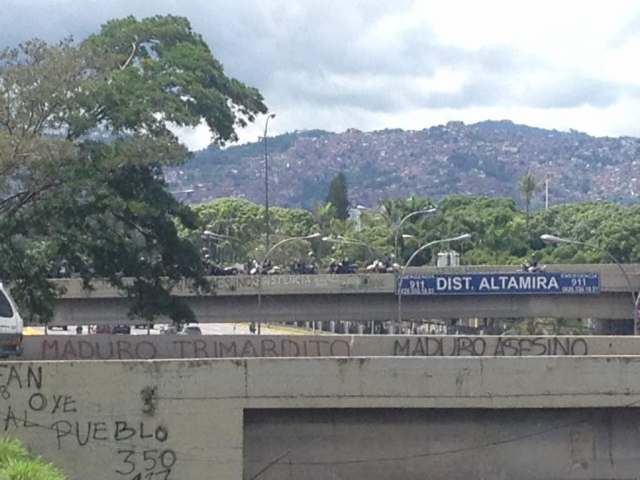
(408, 63)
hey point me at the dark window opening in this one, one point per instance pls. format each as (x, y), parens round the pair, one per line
(5, 306)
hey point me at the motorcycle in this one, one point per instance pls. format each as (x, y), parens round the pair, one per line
(217, 271)
(533, 267)
(300, 268)
(267, 268)
(341, 267)
(382, 266)
(213, 269)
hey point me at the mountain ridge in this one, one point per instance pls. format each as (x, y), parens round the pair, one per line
(484, 158)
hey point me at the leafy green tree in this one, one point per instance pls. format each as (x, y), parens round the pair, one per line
(394, 211)
(338, 196)
(497, 225)
(293, 222)
(323, 213)
(84, 134)
(243, 221)
(390, 210)
(528, 187)
(612, 227)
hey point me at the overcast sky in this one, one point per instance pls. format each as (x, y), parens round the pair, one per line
(374, 64)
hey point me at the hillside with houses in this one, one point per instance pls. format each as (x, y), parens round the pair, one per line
(486, 158)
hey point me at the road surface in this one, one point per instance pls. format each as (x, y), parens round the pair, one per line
(207, 329)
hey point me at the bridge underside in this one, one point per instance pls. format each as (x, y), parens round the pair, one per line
(447, 444)
(364, 418)
(362, 308)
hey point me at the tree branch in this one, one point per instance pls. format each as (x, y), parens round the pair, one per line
(10, 205)
(146, 234)
(134, 49)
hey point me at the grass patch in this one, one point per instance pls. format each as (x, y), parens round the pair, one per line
(17, 464)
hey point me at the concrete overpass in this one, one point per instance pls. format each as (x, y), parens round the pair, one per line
(359, 297)
(356, 418)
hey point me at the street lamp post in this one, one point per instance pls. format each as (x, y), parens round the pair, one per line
(264, 260)
(635, 299)
(219, 236)
(266, 181)
(459, 238)
(426, 211)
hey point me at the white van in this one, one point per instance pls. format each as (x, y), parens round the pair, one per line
(10, 325)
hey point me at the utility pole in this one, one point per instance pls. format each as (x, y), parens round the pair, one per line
(266, 183)
(546, 193)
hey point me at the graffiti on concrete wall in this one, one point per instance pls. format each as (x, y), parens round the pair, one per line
(247, 346)
(253, 282)
(140, 447)
(489, 346)
(96, 349)
(217, 347)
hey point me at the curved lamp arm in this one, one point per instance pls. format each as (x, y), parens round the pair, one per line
(553, 239)
(426, 211)
(266, 257)
(286, 240)
(459, 238)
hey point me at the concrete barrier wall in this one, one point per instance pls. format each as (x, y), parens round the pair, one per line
(184, 419)
(146, 347)
(250, 284)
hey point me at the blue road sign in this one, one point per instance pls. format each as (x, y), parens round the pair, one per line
(567, 283)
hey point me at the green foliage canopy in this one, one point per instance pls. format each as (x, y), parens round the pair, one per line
(338, 196)
(243, 221)
(497, 225)
(84, 133)
(528, 187)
